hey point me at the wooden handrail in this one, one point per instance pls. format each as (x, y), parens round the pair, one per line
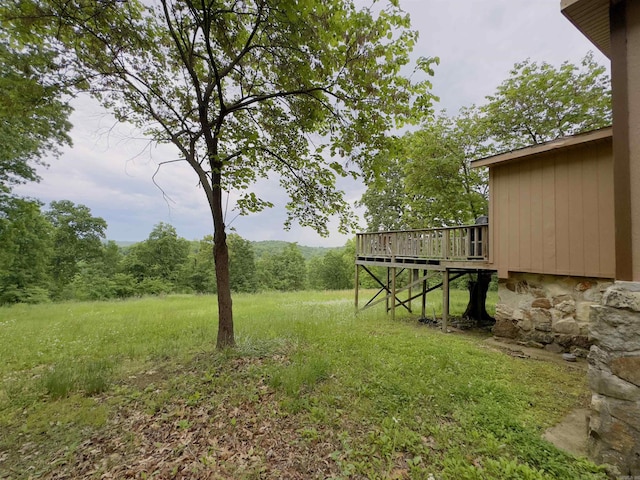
(468, 242)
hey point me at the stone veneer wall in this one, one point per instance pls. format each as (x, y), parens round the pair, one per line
(548, 311)
(614, 379)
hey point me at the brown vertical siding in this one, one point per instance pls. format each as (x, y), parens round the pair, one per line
(553, 213)
(606, 204)
(537, 216)
(549, 221)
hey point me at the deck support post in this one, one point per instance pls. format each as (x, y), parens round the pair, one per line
(388, 289)
(357, 285)
(445, 299)
(393, 293)
(410, 280)
(424, 294)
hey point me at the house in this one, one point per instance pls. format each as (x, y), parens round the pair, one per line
(552, 238)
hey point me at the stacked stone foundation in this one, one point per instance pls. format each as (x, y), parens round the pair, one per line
(614, 379)
(548, 311)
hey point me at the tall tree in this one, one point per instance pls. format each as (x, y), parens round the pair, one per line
(242, 265)
(246, 89)
(440, 186)
(25, 250)
(332, 271)
(540, 102)
(386, 200)
(33, 111)
(77, 236)
(426, 180)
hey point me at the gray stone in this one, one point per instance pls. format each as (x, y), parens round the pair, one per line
(581, 341)
(566, 326)
(506, 328)
(599, 358)
(615, 442)
(541, 319)
(579, 352)
(615, 329)
(604, 383)
(542, 327)
(627, 368)
(567, 306)
(583, 311)
(561, 298)
(503, 312)
(625, 411)
(525, 325)
(596, 293)
(623, 295)
(541, 337)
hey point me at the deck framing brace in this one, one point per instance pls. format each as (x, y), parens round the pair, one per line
(393, 268)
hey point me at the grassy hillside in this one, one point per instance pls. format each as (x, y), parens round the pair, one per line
(268, 246)
(136, 389)
(277, 246)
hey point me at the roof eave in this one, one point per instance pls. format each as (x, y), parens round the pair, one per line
(591, 17)
(560, 143)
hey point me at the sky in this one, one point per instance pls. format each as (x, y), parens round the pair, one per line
(110, 168)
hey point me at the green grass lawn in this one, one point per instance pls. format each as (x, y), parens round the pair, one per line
(135, 389)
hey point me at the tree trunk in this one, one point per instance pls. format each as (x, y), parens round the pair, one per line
(221, 258)
(476, 308)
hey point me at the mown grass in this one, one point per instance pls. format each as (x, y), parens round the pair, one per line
(356, 396)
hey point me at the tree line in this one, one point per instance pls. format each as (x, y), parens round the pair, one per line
(60, 253)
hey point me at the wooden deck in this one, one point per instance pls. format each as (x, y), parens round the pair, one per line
(465, 247)
(453, 251)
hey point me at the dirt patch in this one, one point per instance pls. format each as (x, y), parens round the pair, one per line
(570, 435)
(514, 349)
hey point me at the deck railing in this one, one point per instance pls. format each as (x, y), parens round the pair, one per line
(470, 242)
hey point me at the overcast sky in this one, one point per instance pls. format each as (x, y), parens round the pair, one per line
(110, 171)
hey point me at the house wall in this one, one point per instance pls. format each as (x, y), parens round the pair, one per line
(553, 213)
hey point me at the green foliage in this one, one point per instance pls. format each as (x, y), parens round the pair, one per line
(77, 236)
(539, 103)
(33, 111)
(162, 253)
(332, 271)
(441, 188)
(201, 270)
(285, 271)
(424, 179)
(25, 251)
(86, 376)
(242, 265)
(240, 88)
(273, 247)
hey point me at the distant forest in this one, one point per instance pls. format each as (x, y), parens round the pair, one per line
(61, 253)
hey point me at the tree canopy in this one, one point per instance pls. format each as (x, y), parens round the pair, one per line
(245, 90)
(425, 180)
(33, 111)
(539, 103)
